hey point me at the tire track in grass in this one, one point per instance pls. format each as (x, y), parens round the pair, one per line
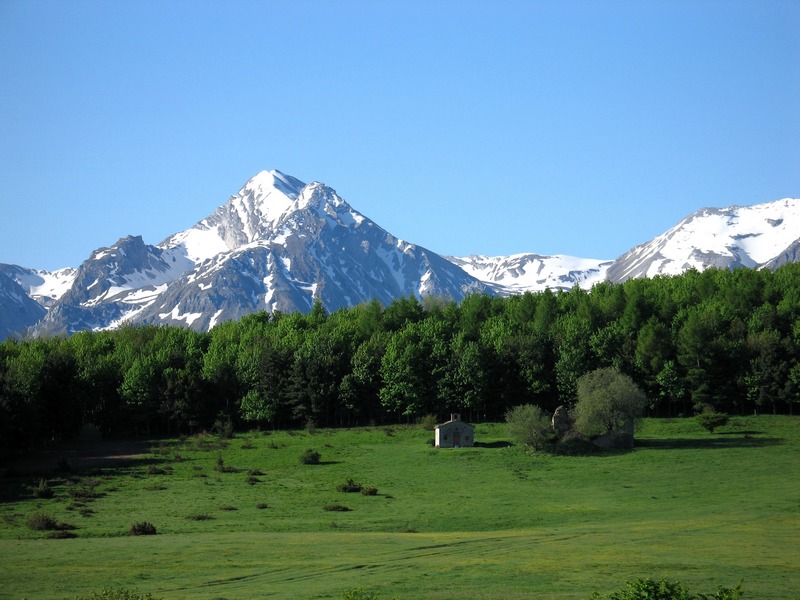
(458, 553)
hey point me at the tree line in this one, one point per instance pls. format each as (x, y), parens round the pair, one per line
(725, 339)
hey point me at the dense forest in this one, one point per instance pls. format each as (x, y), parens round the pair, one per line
(728, 339)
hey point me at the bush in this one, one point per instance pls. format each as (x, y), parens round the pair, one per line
(349, 486)
(85, 489)
(252, 480)
(336, 508)
(529, 425)
(309, 457)
(262, 505)
(43, 490)
(428, 422)
(369, 491)
(143, 528)
(222, 468)
(649, 589)
(200, 517)
(223, 426)
(607, 401)
(44, 522)
(711, 420)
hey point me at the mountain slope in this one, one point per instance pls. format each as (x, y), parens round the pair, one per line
(44, 287)
(736, 236)
(278, 244)
(17, 310)
(521, 273)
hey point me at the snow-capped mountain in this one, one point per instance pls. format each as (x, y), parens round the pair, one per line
(45, 287)
(738, 236)
(278, 244)
(18, 311)
(522, 273)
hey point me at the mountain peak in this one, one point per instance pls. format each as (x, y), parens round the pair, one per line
(265, 181)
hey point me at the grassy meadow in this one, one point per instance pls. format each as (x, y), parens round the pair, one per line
(243, 518)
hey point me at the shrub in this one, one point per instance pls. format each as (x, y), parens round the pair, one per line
(529, 425)
(223, 426)
(349, 486)
(649, 589)
(255, 473)
(85, 489)
(262, 505)
(309, 457)
(227, 507)
(44, 522)
(43, 490)
(369, 491)
(607, 401)
(143, 528)
(252, 480)
(200, 517)
(711, 420)
(336, 508)
(222, 468)
(427, 422)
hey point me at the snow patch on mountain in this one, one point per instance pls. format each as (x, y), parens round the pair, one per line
(521, 273)
(45, 287)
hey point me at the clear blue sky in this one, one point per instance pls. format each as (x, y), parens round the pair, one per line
(492, 127)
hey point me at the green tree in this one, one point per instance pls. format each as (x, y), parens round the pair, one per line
(407, 372)
(529, 425)
(607, 401)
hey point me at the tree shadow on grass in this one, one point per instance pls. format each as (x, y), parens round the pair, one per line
(493, 444)
(75, 460)
(710, 443)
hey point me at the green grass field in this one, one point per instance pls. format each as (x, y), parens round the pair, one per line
(483, 522)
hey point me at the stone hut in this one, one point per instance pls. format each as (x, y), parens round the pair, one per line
(454, 434)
